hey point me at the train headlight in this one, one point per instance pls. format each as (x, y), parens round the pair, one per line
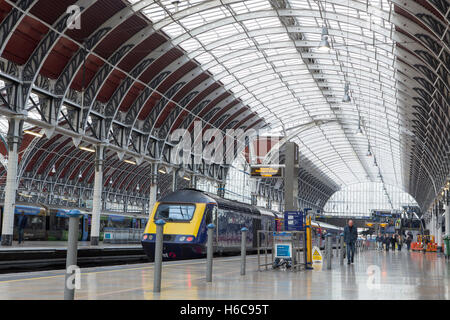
(182, 238)
(145, 237)
(150, 237)
(189, 239)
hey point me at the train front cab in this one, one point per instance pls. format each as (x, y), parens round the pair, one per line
(185, 231)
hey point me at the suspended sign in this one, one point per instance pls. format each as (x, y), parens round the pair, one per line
(266, 172)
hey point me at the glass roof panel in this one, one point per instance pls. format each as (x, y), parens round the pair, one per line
(274, 66)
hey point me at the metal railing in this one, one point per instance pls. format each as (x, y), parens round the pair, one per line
(294, 240)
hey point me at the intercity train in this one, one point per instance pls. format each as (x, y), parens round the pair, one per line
(188, 212)
(53, 224)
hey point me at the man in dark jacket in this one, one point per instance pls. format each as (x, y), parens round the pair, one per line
(387, 241)
(393, 242)
(408, 241)
(21, 226)
(350, 237)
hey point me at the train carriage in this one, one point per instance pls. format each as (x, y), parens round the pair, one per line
(187, 213)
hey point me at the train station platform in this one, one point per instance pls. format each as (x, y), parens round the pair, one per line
(52, 255)
(62, 245)
(401, 275)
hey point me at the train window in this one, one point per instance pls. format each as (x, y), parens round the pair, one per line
(175, 212)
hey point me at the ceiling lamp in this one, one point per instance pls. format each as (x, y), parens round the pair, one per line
(162, 170)
(346, 94)
(36, 134)
(369, 153)
(324, 45)
(359, 132)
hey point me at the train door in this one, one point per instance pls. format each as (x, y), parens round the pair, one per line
(84, 221)
(256, 227)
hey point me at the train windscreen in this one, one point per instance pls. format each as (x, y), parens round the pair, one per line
(175, 212)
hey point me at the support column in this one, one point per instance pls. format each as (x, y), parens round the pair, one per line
(193, 182)
(439, 229)
(221, 189)
(97, 199)
(14, 139)
(174, 179)
(153, 188)
(447, 212)
(291, 177)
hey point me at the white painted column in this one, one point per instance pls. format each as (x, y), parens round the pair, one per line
(97, 198)
(439, 230)
(14, 139)
(447, 212)
(153, 189)
(433, 222)
(174, 179)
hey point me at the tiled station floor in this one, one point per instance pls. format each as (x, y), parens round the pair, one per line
(374, 275)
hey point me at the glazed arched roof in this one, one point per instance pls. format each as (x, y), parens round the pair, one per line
(154, 66)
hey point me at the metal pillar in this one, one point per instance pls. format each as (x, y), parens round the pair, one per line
(158, 255)
(97, 198)
(209, 252)
(341, 249)
(153, 189)
(439, 231)
(221, 189)
(174, 179)
(291, 177)
(243, 249)
(14, 139)
(72, 270)
(329, 247)
(447, 212)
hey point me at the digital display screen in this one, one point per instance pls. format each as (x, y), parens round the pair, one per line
(266, 172)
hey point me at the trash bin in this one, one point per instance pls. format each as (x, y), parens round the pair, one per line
(447, 246)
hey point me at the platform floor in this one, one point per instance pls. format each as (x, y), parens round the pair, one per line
(402, 275)
(55, 245)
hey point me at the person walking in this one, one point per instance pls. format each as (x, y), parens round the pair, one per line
(380, 242)
(22, 223)
(399, 242)
(350, 237)
(393, 242)
(387, 242)
(408, 242)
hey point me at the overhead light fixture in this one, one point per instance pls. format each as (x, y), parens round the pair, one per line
(359, 132)
(346, 94)
(187, 178)
(80, 175)
(162, 170)
(36, 134)
(25, 195)
(130, 162)
(53, 169)
(369, 153)
(86, 149)
(137, 187)
(324, 45)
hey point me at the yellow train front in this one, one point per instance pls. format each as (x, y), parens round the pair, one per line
(186, 213)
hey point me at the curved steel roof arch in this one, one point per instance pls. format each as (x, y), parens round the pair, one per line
(394, 54)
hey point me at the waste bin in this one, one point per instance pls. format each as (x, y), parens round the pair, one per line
(447, 246)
